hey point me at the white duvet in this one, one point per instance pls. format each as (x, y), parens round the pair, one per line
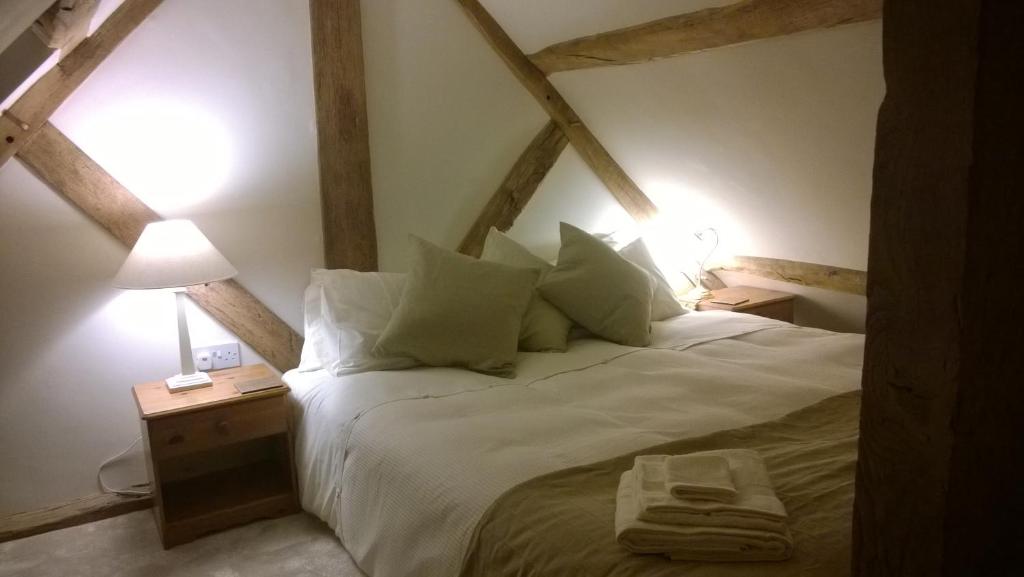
(402, 464)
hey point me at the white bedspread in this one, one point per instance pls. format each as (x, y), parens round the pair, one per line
(402, 464)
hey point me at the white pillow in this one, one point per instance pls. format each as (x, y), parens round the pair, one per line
(354, 309)
(664, 306)
(309, 361)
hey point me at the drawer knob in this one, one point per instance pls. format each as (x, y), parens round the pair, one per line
(176, 440)
(222, 427)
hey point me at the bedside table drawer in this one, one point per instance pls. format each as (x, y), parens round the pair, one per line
(202, 430)
(782, 311)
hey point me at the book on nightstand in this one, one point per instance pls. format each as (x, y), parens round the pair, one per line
(258, 385)
(730, 301)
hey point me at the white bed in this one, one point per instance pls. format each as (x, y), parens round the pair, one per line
(402, 464)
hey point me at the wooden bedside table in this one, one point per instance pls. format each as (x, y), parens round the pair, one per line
(761, 302)
(216, 458)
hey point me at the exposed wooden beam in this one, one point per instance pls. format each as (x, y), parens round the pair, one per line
(822, 276)
(28, 113)
(77, 512)
(941, 450)
(243, 314)
(701, 30)
(343, 137)
(517, 189)
(70, 172)
(593, 153)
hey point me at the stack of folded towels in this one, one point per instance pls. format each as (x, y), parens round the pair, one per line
(710, 506)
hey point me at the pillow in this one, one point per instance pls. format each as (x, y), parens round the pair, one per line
(459, 311)
(544, 328)
(610, 296)
(309, 361)
(664, 306)
(355, 307)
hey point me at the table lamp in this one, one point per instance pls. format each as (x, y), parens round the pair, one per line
(175, 254)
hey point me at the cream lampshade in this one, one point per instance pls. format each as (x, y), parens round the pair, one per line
(175, 254)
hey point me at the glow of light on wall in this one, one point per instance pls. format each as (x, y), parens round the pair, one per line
(146, 319)
(683, 210)
(170, 154)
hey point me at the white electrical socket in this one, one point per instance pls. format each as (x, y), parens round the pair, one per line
(203, 358)
(214, 357)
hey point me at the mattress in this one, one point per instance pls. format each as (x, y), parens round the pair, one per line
(402, 464)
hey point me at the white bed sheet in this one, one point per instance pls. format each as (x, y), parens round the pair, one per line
(402, 464)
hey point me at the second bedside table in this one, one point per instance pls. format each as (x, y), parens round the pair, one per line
(217, 458)
(762, 302)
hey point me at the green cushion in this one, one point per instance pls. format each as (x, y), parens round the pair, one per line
(596, 287)
(458, 311)
(545, 328)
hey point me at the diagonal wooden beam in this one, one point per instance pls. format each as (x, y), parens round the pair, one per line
(71, 173)
(518, 187)
(833, 278)
(593, 153)
(28, 113)
(701, 30)
(343, 137)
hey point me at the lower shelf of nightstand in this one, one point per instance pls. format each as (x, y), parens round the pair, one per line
(213, 490)
(187, 530)
(214, 493)
(218, 500)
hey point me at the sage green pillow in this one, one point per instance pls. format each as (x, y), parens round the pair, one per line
(545, 328)
(596, 287)
(458, 311)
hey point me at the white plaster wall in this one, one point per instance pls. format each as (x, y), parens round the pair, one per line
(206, 112)
(446, 120)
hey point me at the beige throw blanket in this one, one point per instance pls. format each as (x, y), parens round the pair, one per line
(563, 523)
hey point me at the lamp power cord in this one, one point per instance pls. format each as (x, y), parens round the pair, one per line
(131, 491)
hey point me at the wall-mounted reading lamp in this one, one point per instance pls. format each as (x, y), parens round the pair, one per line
(175, 254)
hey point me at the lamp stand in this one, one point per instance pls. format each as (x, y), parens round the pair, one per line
(189, 378)
(698, 294)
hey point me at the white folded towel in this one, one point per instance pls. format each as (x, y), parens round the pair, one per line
(693, 543)
(699, 476)
(755, 506)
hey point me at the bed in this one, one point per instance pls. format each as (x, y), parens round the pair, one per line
(405, 466)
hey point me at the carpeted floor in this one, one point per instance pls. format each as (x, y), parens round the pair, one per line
(128, 546)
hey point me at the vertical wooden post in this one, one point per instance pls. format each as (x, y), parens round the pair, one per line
(941, 461)
(346, 192)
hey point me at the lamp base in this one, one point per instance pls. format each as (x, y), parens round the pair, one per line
(698, 294)
(179, 383)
